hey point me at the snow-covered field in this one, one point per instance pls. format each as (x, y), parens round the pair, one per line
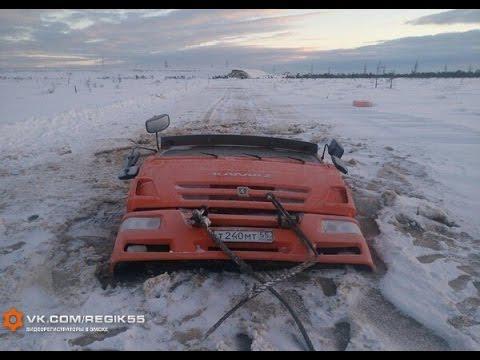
(414, 171)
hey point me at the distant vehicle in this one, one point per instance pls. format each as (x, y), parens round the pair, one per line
(257, 195)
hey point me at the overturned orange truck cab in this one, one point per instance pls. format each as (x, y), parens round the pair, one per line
(230, 176)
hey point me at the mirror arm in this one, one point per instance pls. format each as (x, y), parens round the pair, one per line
(158, 142)
(323, 153)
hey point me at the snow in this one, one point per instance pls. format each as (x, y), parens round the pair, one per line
(414, 171)
(256, 74)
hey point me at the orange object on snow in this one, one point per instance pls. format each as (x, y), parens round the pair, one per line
(362, 103)
(231, 175)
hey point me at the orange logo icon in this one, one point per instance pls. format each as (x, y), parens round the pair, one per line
(13, 319)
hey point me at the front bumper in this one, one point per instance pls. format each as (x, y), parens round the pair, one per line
(176, 239)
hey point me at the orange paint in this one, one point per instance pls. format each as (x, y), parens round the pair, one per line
(362, 103)
(170, 187)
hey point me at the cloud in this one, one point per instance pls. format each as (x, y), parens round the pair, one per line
(203, 37)
(459, 16)
(127, 35)
(458, 49)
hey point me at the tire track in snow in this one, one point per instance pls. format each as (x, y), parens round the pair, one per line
(342, 308)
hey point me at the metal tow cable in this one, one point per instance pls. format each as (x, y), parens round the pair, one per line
(200, 218)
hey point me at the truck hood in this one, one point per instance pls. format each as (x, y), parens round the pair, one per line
(239, 183)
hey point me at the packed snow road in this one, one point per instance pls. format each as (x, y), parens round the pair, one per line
(61, 205)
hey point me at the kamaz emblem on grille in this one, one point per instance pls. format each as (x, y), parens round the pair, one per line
(233, 173)
(243, 191)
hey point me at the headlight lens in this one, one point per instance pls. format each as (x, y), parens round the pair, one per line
(340, 227)
(137, 248)
(140, 223)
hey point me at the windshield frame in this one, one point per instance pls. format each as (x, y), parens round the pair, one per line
(254, 153)
(239, 140)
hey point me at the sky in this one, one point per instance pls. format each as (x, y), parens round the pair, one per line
(342, 40)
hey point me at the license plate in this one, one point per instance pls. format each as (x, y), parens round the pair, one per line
(259, 236)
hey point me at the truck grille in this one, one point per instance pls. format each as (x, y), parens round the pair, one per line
(257, 193)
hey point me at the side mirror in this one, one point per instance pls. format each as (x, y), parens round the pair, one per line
(157, 123)
(130, 170)
(335, 149)
(131, 158)
(128, 173)
(339, 164)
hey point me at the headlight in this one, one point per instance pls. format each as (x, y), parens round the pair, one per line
(340, 227)
(140, 223)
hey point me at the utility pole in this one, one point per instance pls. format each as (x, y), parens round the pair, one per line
(376, 74)
(166, 64)
(365, 69)
(415, 67)
(391, 79)
(311, 68)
